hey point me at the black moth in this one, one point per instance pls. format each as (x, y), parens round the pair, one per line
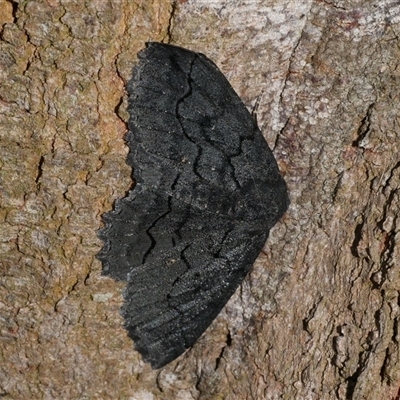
(207, 192)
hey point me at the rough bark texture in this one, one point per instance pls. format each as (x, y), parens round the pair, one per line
(318, 316)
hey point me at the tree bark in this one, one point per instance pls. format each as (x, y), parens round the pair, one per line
(318, 316)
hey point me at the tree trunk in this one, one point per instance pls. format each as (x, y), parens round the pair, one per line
(317, 317)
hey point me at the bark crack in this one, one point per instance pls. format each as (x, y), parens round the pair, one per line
(364, 128)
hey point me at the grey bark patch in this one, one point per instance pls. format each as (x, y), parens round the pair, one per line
(207, 192)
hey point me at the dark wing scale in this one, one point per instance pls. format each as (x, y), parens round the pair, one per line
(208, 191)
(185, 308)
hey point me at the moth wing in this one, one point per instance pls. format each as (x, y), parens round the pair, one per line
(207, 192)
